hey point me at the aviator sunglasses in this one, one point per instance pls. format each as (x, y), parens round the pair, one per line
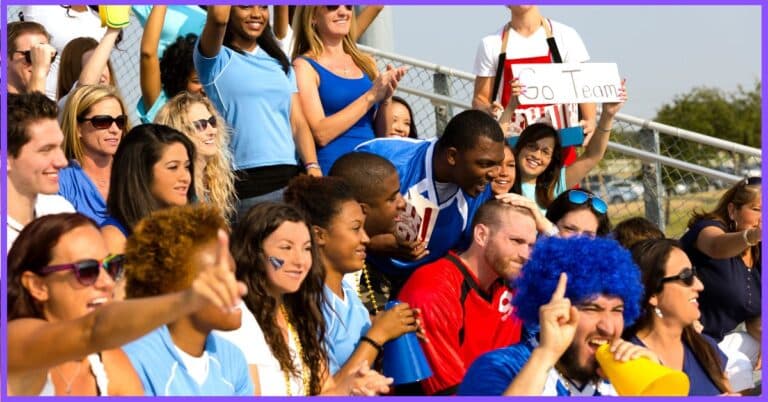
(687, 275)
(87, 271)
(105, 121)
(579, 197)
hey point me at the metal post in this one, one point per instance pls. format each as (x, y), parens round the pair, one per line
(654, 188)
(443, 112)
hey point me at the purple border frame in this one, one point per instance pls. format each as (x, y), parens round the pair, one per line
(3, 143)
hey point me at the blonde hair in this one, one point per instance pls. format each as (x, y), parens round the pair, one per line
(307, 41)
(79, 103)
(218, 184)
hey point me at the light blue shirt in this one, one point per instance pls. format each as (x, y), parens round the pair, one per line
(253, 94)
(162, 371)
(346, 321)
(179, 21)
(529, 190)
(148, 116)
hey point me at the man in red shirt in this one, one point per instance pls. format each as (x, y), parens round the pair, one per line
(465, 299)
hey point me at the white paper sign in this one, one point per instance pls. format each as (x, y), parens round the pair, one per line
(568, 83)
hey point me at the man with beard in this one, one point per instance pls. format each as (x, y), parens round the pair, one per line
(451, 172)
(465, 299)
(557, 354)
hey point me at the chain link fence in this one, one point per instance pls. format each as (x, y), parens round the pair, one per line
(656, 173)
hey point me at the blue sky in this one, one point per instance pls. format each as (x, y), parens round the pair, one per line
(661, 50)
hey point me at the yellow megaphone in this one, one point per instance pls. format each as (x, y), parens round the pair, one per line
(641, 376)
(115, 16)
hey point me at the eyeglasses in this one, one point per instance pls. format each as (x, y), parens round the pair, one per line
(105, 121)
(202, 124)
(333, 8)
(579, 197)
(87, 271)
(28, 55)
(533, 147)
(687, 276)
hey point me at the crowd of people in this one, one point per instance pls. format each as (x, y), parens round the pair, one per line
(247, 236)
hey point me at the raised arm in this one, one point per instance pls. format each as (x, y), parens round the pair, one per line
(597, 146)
(281, 22)
(41, 55)
(365, 19)
(718, 244)
(215, 27)
(149, 62)
(91, 72)
(481, 98)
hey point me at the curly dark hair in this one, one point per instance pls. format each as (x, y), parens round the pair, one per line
(303, 307)
(176, 65)
(157, 253)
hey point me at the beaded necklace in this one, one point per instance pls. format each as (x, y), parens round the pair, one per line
(300, 351)
(369, 289)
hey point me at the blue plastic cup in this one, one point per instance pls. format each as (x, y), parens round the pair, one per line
(404, 359)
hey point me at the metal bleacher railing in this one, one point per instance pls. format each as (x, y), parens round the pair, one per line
(650, 169)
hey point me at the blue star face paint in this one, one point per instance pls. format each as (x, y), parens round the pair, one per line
(276, 262)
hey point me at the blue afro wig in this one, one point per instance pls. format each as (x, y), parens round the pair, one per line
(594, 266)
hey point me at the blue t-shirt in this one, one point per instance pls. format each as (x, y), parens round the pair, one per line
(162, 371)
(529, 190)
(346, 321)
(77, 188)
(492, 373)
(179, 21)
(731, 292)
(701, 383)
(453, 228)
(336, 93)
(110, 221)
(148, 116)
(253, 94)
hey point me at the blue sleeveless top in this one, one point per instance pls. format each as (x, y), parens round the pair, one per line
(336, 93)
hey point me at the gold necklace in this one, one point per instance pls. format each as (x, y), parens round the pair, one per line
(71, 382)
(370, 289)
(300, 351)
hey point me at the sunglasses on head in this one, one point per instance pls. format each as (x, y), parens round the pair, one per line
(202, 124)
(687, 275)
(87, 271)
(751, 181)
(333, 8)
(105, 121)
(28, 56)
(579, 197)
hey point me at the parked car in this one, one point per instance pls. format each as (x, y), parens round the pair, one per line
(622, 191)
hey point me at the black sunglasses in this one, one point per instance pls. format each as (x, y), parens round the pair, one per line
(87, 271)
(202, 124)
(333, 8)
(28, 55)
(687, 276)
(105, 121)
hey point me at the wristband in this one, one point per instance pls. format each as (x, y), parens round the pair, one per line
(311, 165)
(379, 348)
(607, 130)
(746, 239)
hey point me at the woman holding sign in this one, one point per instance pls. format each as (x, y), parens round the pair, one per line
(527, 38)
(541, 171)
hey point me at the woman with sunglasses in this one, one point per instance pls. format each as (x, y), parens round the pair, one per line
(541, 174)
(160, 161)
(196, 117)
(64, 331)
(670, 307)
(725, 244)
(252, 84)
(93, 121)
(345, 99)
(579, 213)
(283, 331)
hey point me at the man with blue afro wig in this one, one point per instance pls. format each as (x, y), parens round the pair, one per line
(573, 295)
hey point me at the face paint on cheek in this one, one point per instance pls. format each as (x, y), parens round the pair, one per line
(276, 262)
